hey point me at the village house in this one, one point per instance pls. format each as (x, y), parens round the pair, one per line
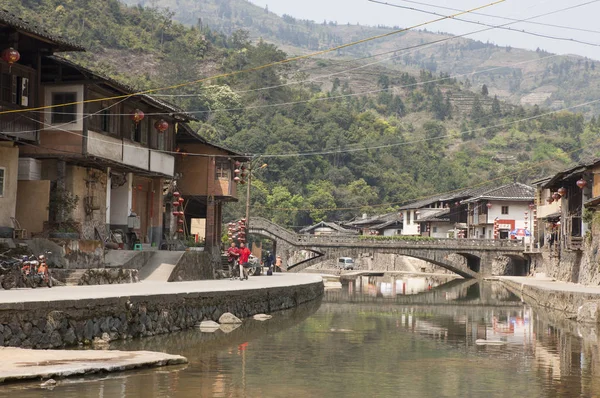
(87, 164)
(497, 212)
(98, 155)
(23, 47)
(573, 190)
(327, 228)
(367, 225)
(443, 216)
(205, 180)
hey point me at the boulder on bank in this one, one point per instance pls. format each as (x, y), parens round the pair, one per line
(229, 318)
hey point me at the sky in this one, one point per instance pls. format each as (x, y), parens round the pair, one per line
(368, 13)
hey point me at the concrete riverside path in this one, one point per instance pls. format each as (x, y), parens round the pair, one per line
(23, 364)
(552, 285)
(150, 288)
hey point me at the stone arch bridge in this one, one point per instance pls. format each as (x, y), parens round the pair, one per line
(478, 253)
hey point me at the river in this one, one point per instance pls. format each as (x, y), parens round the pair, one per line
(376, 337)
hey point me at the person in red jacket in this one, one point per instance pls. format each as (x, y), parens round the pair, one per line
(233, 255)
(244, 256)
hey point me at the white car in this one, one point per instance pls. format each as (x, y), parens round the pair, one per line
(346, 263)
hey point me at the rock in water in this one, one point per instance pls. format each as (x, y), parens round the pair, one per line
(48, 383)
(208, 326)
(228, 318)
(262, 317)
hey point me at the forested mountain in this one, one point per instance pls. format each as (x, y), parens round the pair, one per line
(329, 148)
(514, 75)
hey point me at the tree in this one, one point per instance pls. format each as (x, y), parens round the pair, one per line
(496, 110)
(484, 90)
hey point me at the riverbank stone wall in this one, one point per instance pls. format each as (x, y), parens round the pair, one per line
(61, 324)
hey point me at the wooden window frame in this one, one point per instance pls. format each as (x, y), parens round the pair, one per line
(2, 180)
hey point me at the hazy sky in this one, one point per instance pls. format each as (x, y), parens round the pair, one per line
(368, 13)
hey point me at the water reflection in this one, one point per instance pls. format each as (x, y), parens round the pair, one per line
(364, 340)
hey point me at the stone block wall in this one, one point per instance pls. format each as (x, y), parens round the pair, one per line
(68, 323)
(194, 266)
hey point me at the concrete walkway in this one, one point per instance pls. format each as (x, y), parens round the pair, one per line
(551, 284)
(149, 288)
(160, 266)
(21, 364)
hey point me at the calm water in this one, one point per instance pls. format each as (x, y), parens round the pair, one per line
(375, 337)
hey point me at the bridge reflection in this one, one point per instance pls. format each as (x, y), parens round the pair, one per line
(419, 290)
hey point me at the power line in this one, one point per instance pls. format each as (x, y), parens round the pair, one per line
(257, 68)
(500, 27)
(505, 18)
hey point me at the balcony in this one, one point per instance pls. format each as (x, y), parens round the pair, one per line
(23, 126)
(130, 154)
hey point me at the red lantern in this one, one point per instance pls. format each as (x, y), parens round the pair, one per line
(550, 200)
(181, 213)
(137, 116)
(243, 220)
(237, 180)
(180, 221)
(181, 200)
(176, 204)
(10, 56)
(562, 191)
(236, 171)
(581, 183)
(176, 194)
(175, 213)
(180, 230)
(242, 182)
(489, 205)
(556, 196)
(237, 164)
(161, 126)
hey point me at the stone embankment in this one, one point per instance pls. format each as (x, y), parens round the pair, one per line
(573, 301)
(67, 316)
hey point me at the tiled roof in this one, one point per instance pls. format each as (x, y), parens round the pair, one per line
(374, 220)
(10, 19)
(387, 224)
(331, 225)
(437, 216)
(176, 111)
(573, 170)
(512, 191)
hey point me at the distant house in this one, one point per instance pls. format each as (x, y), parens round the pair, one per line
(501, 209)
(437, 224)
(389, 228)
(327, 228)
(452, 204)
(368, 225)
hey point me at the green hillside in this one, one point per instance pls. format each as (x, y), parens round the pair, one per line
(326, 145)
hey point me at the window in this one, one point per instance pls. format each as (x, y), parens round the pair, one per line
(408, 217)
(504, 209)
(105, 121)
(2, 171)
(222, 169)
(14, 89)
(65, 113)
(434, 229)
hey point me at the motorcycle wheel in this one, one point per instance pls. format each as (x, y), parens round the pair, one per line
(9, 281)
(257, 271)
(49, 281)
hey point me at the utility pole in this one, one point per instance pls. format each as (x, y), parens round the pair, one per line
(248, 197)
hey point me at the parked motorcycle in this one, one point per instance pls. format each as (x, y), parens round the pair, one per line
(10, 273)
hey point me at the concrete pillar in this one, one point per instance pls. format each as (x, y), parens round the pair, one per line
(211, 220)
(108, 198)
